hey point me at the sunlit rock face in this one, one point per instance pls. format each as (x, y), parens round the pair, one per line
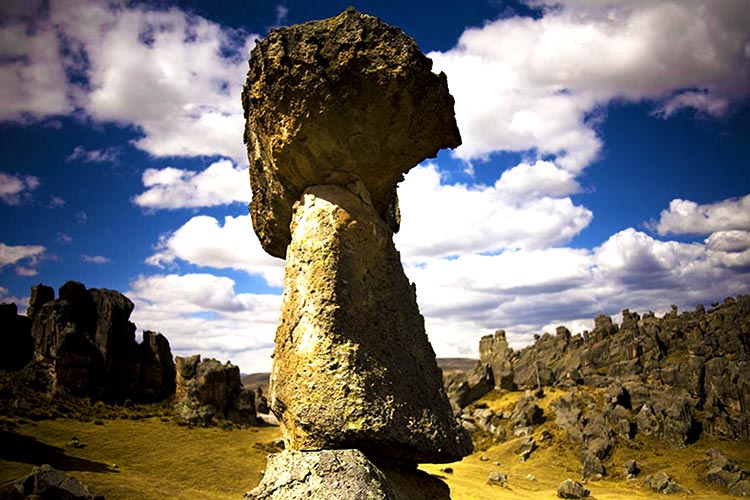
(333, 101)
(337, 111)
(353, 367)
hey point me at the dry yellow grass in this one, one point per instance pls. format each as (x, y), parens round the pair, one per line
(155, 460)
(557, 460)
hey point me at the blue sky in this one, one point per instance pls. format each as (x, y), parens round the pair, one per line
(604, 165)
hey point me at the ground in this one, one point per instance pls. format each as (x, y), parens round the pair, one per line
(143, 453)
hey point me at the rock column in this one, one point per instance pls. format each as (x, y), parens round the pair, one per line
(337, 110)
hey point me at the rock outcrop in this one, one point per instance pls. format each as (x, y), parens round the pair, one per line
(17, 343)
(672, 378)
(46, 482)
(669, 367)
(208, 390)
(337, 111)
(87, 340)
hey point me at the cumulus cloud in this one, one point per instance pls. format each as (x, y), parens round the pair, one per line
(23, 258)
(531, 291)
(525, 84)
(204, 241)
(202, 313)
(16, 189)
(220, 183)
(175, 76)
(33, 84)
(688, 217)
(520, 211)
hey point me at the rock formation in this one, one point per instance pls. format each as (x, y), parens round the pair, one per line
(337, 111)
(207, 390)
(88, 342)
(157, 367)
(46, 482)
(17, 344)
(670, 378)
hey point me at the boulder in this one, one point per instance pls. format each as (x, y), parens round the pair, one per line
(630, 469)
(661, 482)
(571, 489)
(207, 390)
(334, 101)
(344, 474)
(464, 388)
(353, 367)
(17, 343)
(526, 413)
(44, 482)
(497, 478)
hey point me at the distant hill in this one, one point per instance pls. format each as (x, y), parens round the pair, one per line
(448, 365)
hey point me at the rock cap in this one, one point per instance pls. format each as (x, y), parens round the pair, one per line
(333, 101)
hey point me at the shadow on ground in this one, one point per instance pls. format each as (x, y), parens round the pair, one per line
(24, 449)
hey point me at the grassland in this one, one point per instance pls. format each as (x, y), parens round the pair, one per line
(147, 455)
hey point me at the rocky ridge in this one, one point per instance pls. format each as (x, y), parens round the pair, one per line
(673, 378)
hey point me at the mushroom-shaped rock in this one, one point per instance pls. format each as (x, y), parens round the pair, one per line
(333, 101)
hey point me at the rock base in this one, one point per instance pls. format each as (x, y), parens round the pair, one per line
(342, 475)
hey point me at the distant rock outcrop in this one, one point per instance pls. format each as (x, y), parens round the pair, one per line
(87, 340)
(673, 378)
(17, 343)
(208, 390)
(337, 111)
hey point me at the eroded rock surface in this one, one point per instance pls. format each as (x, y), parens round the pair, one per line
(343, 475)
(353, 367)
(333, 101)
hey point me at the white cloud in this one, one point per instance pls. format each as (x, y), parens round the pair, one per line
(32, 76)
(444, 220)
(24, 258)
(21, 302)
(106, 155)
(94, 259)
(729, 249)
(202, 314)
(16, 189)
(543, 178)
(530, 291)
(175, 76)
(55, 202)
(220, 183)
(534, 84)
(688, 217)
(203, 241)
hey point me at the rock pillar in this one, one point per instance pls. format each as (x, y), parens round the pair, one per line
(337, 111)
